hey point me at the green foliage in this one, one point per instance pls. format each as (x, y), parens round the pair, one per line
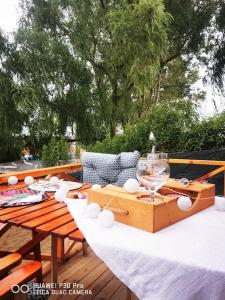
(207, 134)
(79, 62)
(197, 29)
(55, 152)
(54, 86)
(11, 120)
(139, 40)
(177, 81)
(123, 41)
(169, 121)
(175, 128)
(10, 148)
(97, 64)
(109, 145)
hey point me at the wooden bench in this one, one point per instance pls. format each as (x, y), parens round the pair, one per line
(47, 218)
(68, 230)
(79, 237)
(21, 275)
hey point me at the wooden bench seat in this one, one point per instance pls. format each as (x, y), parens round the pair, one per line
(20, 276)
(9, 262)
(77, 236)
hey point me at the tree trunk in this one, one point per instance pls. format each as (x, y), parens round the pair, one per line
(157, 94)
(112, 128)
(113, 122)
(149, 102)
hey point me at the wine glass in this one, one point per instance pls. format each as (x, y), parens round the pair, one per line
(153, 172)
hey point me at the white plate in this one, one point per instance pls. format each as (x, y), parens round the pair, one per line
(46, 186)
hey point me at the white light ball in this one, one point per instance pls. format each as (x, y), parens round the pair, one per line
(110, 185)
(54, 180)
(93, 210)
(95, 187)
(131, 185)
(12, 180)
(220, 203)
(60, 195)
(106, 218)
(184, 203)
(28, 180)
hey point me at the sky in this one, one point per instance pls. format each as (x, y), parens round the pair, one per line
(9, 17)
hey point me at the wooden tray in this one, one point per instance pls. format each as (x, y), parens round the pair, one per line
(130, 209)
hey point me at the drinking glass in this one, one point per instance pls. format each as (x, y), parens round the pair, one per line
(153, 172)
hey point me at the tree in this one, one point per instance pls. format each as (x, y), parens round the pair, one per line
(218, 56)
(11, 119)
(176, 82)
(55, 152)
(97, 64)
(195, 34)
(53, 85)
(120, 42)
(124, 42)
(196, 31)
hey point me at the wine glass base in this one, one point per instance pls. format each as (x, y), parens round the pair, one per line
(149, 198)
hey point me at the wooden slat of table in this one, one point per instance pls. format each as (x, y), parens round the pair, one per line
(8, 210)
(54, 223)
(27, 210)
(44, 219)
(64, 230)
(36, 214)
(6, 187)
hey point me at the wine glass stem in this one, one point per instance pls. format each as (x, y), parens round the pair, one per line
(152, 195)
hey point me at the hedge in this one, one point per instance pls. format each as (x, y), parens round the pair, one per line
(176, 128)
(10, 148)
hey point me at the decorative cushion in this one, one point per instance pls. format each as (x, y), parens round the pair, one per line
(106, 166)
(129, 159)
(124, 175)
(99, 168)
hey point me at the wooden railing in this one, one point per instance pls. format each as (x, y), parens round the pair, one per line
(41, 172)
(218, 170)
(77, 166)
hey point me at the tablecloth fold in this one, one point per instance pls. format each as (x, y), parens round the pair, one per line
(184, 261)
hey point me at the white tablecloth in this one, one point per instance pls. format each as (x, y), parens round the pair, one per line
(185, 261)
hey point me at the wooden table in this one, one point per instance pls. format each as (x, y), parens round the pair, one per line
(43, 219)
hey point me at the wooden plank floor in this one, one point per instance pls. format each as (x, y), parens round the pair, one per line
(92, 275)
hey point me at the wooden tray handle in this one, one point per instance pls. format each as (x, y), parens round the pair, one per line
(117, 210)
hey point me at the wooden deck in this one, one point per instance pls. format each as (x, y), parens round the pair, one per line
(94, 275)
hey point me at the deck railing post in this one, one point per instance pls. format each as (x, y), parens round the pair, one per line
(224, 183)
